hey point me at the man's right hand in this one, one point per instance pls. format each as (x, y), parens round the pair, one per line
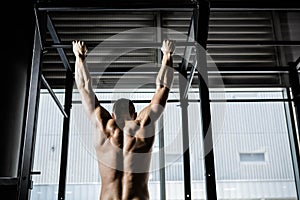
(168, 46)
(79, 49)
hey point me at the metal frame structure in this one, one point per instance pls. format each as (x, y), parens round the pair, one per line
(42, 19)
(26, 161)
(295, 114)
(198, 31)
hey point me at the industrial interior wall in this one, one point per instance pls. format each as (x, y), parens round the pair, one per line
(17, 34)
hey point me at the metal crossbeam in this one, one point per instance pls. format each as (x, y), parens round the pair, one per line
(61, 108)
(119, 6)
(120, 44)
(56, 39)
(253, 43)
(91, 9)
(297, 63)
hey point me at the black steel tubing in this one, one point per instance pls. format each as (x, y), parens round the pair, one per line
(208, 142)
(185, 64)
(120, 6)
(130, 44)
(39, 27)
(251, 43)
(197, 100)
(26, 158)
(111, 44)
(53, 96)
(56, 39)
(295, 89)
(294, 144)
(161, 138)
(216, 9)
(99, 9)
(65, 136)
(254, 5)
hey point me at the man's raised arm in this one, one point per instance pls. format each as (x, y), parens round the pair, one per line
(91, 106)
(164, 82)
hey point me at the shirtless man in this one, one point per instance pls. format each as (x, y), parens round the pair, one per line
(123, 139)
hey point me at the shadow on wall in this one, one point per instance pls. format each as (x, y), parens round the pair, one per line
(16, 52)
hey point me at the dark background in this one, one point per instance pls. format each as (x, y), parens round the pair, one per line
(17, 33)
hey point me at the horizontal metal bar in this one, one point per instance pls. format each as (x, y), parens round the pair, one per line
(129, 70)
(211, 70)
(96, 9)
(248, 100)
(275, 69)
(140, 101)
(198, 100)
(9, 181)
(35, 173)
(253, 43)
(44, 81)
(210, 43)
(214, 9)
(253, 5)
(219, 9)
(134, 101)
(124, 44)
(120, 71)
(118, 6)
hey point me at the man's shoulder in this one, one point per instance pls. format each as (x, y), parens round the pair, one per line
(111, 123)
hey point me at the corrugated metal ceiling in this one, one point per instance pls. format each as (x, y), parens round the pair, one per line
(96, 27)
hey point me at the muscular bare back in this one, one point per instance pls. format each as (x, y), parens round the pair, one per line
(123, 141)
(124, 158)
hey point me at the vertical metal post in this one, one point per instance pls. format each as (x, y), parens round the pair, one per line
(292, 133)
(183, 89)
(69, 82)
(26, 160)
(295, 87)
(295, 116)
(185, 133)
(201, 37)
(65, 138)
(206, 127)
(161, 143)
(162, 171)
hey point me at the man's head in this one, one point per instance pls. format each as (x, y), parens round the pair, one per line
(124, 109)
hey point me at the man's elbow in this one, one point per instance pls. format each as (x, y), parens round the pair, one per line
(163, 90)
(79, 83)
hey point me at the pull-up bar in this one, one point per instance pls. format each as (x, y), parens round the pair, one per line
(122, 44)
(130, 44)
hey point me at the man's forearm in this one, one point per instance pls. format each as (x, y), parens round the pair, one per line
(84, 86)
(166, 72)
(82, 76)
